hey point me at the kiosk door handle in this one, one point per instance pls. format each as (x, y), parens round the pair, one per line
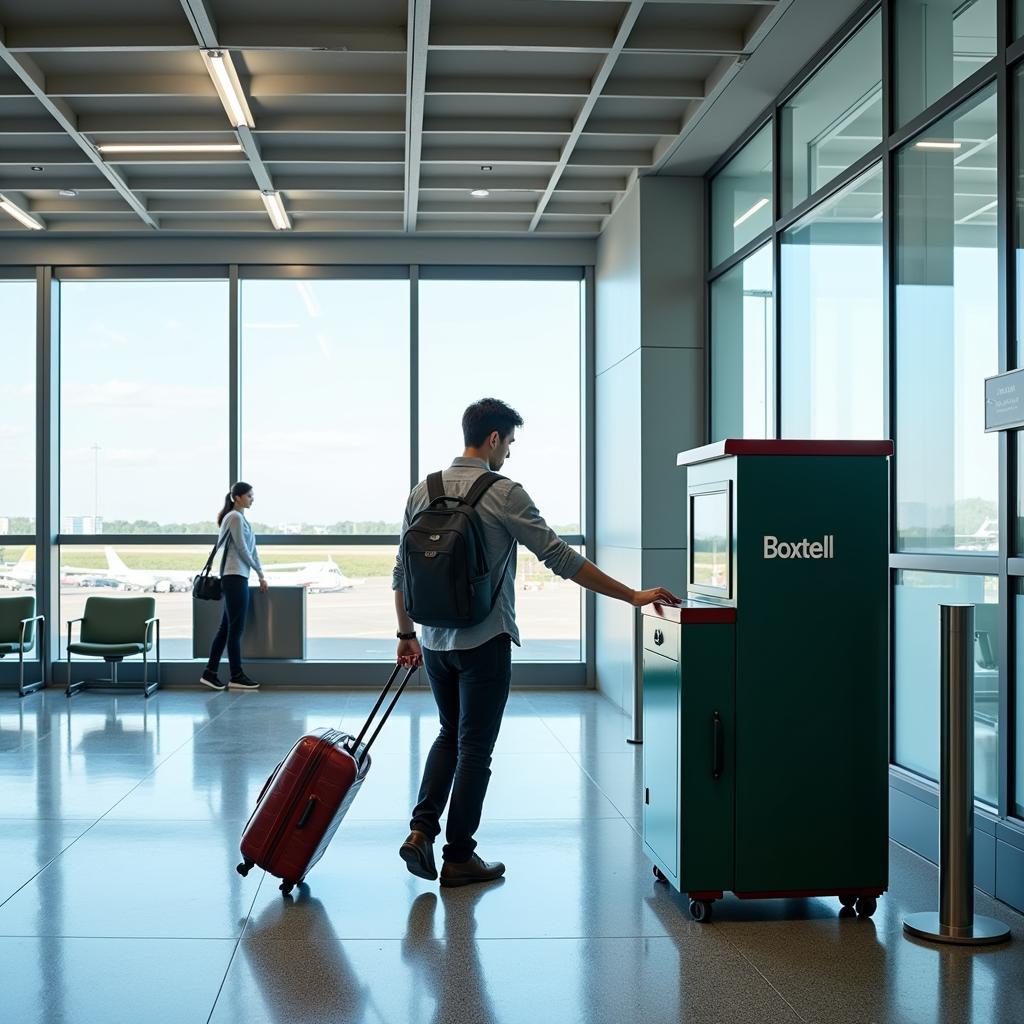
(717, 746)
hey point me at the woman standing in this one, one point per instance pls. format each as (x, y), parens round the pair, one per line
(239, 559)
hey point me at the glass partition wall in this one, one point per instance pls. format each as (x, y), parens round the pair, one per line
(891, 270)
(18, 447)
(323, 388)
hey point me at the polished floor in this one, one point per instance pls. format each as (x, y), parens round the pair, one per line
(119, 900)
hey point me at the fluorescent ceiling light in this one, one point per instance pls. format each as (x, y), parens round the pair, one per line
(19, 214)
(760, 204)
(278, 214)
(218, 62)
(938, 145)
(480, 193)
(170, 147)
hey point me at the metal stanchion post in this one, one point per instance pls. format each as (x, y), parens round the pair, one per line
(955, 921)
(637, 730)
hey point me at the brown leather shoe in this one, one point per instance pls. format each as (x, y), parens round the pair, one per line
(471, 871)
(418, 853)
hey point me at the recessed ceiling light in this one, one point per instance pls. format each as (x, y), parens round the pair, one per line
(170, 147)
(938, 145)
(37, 168)
(480, 193)
(486, 167)
(68, 193)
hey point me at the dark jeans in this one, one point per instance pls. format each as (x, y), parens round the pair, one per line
(471, 688)
(232, 625)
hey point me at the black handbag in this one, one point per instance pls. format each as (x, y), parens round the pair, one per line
(204, 586)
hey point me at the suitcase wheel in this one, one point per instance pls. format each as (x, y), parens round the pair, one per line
(700, 910)
(659, 874)
(286, 887)
(245, 867)
(866, 906)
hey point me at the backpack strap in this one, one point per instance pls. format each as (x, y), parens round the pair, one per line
(483, 483)
(435, 486)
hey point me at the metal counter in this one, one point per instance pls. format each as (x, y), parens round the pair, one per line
(275, 628)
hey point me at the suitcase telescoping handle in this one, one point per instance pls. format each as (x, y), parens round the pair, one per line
(376, 708)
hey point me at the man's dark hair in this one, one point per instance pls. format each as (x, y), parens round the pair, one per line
(482, 418)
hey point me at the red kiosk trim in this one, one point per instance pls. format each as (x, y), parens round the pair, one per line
(740, 446)
(690, 611)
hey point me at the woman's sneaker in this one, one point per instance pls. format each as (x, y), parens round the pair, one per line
(243, 682)
(212, 680)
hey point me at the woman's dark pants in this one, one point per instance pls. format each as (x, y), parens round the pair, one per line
(232, 625)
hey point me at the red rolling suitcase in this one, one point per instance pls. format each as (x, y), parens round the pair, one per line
(308, 795)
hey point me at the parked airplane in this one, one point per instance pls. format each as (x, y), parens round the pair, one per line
(160, 581)
(317, 577)
(21, 575)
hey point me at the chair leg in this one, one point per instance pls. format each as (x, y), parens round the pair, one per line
(72, 688)
(148, 689)
(23, 689)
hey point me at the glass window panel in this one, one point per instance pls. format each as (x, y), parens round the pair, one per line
(1018, 158)
(17, 569)
(917, 598)
(350, 604)
(325, 404)
(519, 341)
(741, 197)
(832, 317)
(1018, 729)
(835, 118)
(938, 43)
(144, 405)
(743, 349)
(947, 304)
(18, 407)
(163, 571)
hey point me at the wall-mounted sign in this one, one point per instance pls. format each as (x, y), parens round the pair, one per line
(824, 548)
(1004, 401)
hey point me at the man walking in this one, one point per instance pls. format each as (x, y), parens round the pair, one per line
(469, 669)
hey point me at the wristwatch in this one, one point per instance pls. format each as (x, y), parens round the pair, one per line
(406, 636)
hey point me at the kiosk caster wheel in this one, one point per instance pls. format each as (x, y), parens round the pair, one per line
(700, 911)
(286, 887)
(659, 874)
(866, 906)
(847, 901)
(245, 867)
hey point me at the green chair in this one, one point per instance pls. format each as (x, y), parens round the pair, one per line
(17, 635)
(115, 628)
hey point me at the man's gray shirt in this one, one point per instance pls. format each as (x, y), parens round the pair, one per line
(509, 516)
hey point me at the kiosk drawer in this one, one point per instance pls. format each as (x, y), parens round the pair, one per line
(661, 636)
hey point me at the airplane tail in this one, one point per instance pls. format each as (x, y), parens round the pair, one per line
(114, 560)
(28, 557)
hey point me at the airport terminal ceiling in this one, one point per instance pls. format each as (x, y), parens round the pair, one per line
(451, 117)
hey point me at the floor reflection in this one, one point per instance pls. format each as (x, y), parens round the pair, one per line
(322, 980)
(449, 968)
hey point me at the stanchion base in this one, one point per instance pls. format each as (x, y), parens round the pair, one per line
(984, 930)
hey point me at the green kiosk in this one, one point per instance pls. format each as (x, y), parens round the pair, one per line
(765, 692)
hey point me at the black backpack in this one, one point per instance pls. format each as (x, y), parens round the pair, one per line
(445, 559)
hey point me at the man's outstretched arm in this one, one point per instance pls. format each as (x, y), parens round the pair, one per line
(591, 578)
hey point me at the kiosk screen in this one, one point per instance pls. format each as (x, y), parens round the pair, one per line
(710, 541)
